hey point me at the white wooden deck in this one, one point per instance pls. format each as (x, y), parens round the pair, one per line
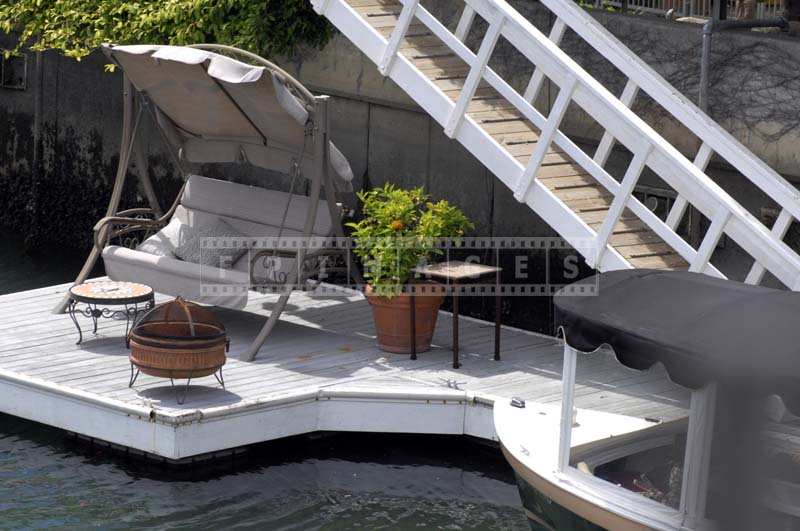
(320, 370)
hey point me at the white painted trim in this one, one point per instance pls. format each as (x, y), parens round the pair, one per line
(689, 181)
(528, 435)
(678, 209)
(694, 488)
(567, 406)
(397, 36)
(621, 199)
(537, 79)
(525, 181)
(779, 229)
(478, 66)
(710, 240)
(627, 98)
(683, 109)
(465, 23)
(320, 6)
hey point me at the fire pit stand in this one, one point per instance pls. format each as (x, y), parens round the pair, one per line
(178, 340)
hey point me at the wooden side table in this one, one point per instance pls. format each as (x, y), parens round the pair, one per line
(455, 273)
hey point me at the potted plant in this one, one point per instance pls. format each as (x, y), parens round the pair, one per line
(399, 230)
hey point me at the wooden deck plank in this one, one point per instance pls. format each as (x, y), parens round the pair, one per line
(319, 343)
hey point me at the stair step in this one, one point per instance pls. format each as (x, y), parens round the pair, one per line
(589, 205)
(573, 185)
(381, 20)
(625, 225)
(414, 30)
(645, 250)
(485, 104)
(420, 42)
(597, 216)
(560, 170)
(669, 261)
(382, 9)
(355, 4)
(568, 181)
(584, 192)
(552, 157)
(634, 238)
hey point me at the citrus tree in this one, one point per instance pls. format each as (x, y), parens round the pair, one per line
(76, 27)
(399, 228)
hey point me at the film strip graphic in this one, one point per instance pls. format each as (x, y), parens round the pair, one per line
(232, 266)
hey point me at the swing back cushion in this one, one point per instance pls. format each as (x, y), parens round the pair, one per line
(248, 210)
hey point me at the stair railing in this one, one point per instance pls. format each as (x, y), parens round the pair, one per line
(712, 136)
(613, 114)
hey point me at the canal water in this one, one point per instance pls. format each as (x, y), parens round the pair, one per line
(331, 481)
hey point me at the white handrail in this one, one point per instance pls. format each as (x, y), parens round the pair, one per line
(621, 125)
(561, 140)
(620, 121)
(686, 112)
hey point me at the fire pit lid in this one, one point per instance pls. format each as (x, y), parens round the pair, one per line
(179, 319)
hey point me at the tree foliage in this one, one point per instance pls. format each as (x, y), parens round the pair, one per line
(76, 27)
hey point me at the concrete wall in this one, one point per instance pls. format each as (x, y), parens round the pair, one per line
(59, 138)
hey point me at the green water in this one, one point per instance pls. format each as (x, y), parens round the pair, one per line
(336, 481)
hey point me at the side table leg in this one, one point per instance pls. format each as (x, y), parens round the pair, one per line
(71, 311)
(456, 364)
(94, 319)
(413, 330)
(128, 321)
(497, 311)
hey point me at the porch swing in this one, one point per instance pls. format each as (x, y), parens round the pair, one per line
(219, 104)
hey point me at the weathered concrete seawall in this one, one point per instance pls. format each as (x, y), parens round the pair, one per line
(60, 135)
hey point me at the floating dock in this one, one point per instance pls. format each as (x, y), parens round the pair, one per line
(320, 370)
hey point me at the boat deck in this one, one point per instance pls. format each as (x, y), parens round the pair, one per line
(319, 370)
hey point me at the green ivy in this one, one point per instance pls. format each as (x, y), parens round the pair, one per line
(77, 27)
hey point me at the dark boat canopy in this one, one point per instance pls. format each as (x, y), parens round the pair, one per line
(701, 328)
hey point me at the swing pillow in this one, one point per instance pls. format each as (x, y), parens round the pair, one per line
(200, 245)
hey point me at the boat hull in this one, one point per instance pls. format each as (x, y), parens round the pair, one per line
(550, 508)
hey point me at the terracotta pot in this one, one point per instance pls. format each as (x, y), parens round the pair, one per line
(392, 318)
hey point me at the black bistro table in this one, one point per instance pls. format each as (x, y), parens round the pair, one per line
(99, 296)
(454, 273)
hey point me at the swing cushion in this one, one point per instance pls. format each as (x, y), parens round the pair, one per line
(250, 211)
(193, 249)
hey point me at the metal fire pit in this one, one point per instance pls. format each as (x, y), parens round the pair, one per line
(177, 340)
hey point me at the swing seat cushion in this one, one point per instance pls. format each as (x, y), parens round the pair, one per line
(250, 211)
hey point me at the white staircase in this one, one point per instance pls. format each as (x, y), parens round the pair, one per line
(526, 150)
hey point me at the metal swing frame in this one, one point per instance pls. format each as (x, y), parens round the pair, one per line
(117, 222)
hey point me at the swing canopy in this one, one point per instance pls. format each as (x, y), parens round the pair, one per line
(215, 108)
(217, 104)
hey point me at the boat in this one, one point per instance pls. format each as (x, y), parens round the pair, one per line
(583, 469)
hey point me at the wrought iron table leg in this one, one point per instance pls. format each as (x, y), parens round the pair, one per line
(94, 318)
(128, 322)
(133, 376)
(71, 311)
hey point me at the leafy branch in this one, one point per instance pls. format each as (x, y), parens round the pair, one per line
(77, 27)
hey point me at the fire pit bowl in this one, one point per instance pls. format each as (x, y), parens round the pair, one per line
(178, 339)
